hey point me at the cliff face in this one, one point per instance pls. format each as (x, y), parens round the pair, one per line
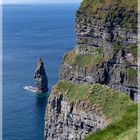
(95, 74)
(70, 121)
(76, 110)
(106, 49)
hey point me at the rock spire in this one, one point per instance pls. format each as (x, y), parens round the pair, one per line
(40, 77)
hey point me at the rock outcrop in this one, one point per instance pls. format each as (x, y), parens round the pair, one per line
(40, 77)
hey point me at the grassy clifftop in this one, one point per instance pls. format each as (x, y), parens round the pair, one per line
(92, 6)
(87, 60)
(123, 12)
(116, 106)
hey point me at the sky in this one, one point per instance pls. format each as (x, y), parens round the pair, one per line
(38, 1)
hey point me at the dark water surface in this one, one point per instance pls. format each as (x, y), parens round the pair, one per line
(31, 32)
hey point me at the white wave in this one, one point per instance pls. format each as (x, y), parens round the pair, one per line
(31, 89)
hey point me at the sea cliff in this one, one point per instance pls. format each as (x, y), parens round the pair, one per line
(98, 78)
(106, 48)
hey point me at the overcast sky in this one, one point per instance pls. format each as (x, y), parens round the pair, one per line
(38, 1)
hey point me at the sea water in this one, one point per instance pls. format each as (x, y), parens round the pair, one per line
(29, 32)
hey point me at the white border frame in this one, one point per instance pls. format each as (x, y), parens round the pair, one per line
(1, 76)
(1, 68)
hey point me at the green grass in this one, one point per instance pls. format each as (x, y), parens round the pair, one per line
(129, 3)
(116, 46)
(132, 72)
(93, 5)
(124, 129)
(100, 51)
(128, 135)
(85, 60)
(116, 8)
(116, 106)
(88, 60)
(112, 102)
(69, 57)
(134, 50)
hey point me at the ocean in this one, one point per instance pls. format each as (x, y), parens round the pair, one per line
(30, 32)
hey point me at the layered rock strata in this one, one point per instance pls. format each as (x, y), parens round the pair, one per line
(71, 121)
(108, 46)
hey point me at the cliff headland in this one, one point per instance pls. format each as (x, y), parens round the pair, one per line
(94, 99)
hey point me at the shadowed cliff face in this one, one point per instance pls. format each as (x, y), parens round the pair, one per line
(40, 77)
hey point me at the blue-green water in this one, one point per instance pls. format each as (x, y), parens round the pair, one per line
(30, 32)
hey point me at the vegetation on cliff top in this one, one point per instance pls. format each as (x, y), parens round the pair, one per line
(86, 60)
(115, 105)
(92, 6)
(122, 12)
(124, 129)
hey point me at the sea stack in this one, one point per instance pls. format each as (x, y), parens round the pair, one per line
(40, 77)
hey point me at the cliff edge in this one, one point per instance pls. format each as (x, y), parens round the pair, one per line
(75, 111)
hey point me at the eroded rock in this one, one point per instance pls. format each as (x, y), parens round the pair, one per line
(40, 77)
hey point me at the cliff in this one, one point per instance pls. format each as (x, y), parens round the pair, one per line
(106, 48)
(76, 110)
(89, 101)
